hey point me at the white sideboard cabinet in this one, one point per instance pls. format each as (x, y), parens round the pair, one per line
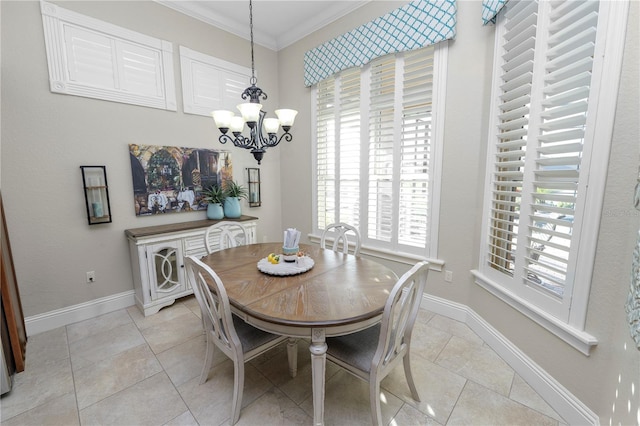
(157, 259)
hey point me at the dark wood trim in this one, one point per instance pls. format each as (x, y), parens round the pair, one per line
(11, 304)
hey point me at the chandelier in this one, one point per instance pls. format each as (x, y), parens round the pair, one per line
(253, 115)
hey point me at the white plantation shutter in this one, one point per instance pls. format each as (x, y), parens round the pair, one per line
(91, 58)
(383, 133)
(234, 84)
(209, 83)
(415, 151)
(326, 152)
(348, 191)
(204, 88)
(139, 69)
(543, 162)
(561, 139)
(382, 115)
(513, 109)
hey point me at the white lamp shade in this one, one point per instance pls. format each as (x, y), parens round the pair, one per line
(271, 125)
(250, 111)
(286, 116)
(237, 124)
(222, 118)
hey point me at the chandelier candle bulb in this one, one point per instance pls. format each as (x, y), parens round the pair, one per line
(286, 117)
(222, 119)
(236, 125)
(250, 112)
(271, 125)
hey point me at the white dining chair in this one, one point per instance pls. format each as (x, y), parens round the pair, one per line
(371, 354)
(238, 340)
(225, 234)
(341, 240)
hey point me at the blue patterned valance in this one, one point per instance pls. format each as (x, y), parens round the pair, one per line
(417, 24)
(490, 9)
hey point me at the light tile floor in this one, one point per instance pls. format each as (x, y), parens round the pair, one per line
(126, 369)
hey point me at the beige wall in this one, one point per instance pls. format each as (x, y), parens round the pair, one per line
(592, 379)
(45, 137)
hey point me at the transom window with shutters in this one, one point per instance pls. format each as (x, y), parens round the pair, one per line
(210, 83)
(554, 103)
(95, 59)
(377, 148)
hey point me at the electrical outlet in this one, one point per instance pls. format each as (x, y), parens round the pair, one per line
(91, 277)
(448, 276)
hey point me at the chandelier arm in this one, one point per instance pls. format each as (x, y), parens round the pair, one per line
(224, 138)
(238, 141)
(273, 139)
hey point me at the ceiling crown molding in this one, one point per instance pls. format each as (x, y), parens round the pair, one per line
(205, 12)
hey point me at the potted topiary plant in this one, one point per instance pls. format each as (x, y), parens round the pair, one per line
(233, 191)
(215, 197)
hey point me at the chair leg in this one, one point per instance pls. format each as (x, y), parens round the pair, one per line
(208, 360)
(374, 401)
(292, 356)
(407, 372)
(238, 388)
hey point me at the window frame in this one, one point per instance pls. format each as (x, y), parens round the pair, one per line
(603, 91)
(373, 248)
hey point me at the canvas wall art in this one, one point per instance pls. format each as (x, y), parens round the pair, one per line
(170, 179)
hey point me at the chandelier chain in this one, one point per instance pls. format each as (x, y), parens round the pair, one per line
(253, 67)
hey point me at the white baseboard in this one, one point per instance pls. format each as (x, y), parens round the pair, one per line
(60, 317)
(572, 410)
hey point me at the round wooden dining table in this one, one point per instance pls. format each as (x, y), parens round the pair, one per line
(339, 295)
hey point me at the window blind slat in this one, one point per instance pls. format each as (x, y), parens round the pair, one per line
(568, 135)
(564, 123)
(513, 134)
(573, 43)
(579, 107)
(571, 70)
(524, 79)
(518, 11)
(513, 124)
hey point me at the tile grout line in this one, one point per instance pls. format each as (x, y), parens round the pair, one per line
(73, 377)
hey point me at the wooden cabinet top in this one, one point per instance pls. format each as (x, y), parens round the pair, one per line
(178, 227)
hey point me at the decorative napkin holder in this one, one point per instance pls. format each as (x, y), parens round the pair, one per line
(290, 247)
(289, 254)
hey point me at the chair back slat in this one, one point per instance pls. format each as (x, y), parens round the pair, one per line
(223, 235)
(214, 305)
(399, 316)
(342, 242)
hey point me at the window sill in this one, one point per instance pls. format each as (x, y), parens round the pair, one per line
(577, 338)
(405, 258)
